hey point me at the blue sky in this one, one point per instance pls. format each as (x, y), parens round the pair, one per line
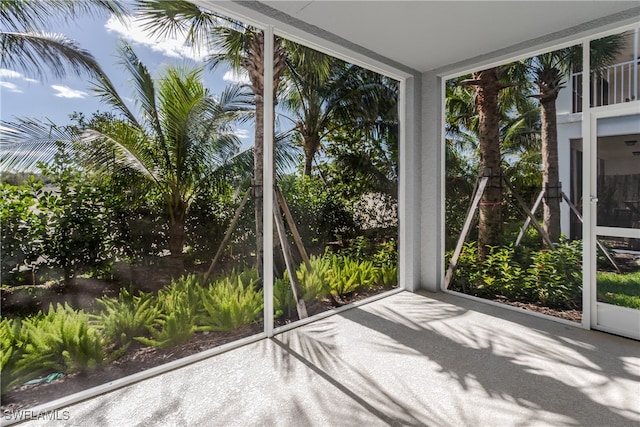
(55, 99)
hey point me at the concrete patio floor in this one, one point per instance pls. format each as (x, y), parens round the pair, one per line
(407, 359)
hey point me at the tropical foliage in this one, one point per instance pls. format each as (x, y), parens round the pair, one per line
(27, 47)
(551, 278)
(180, 139)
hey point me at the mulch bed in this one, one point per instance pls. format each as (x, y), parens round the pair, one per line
(572, 315)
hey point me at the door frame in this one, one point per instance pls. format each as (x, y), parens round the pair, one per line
(602, 316)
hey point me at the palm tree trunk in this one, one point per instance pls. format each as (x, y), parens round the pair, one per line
(487, 89)
(177, 237)
(254, 64)
(550, 173)
(311, 144)
(258, 191)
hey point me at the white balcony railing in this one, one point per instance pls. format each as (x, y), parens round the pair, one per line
(612, 85)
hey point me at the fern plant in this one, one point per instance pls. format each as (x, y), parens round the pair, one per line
(386, 276)
(12, 342)
(283, 302)
(184, 292)
(171, 329)
(231, 302)
(178, 306)
(61, 340)
(315, 282)
(348, 275)
(126, 317)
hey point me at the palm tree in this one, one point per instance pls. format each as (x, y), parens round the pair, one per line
(26, 47)
(326, 95)
(316, 89)
(180, 137)
(239, 46)
(495, 119)
(487, 85)
(550, 71)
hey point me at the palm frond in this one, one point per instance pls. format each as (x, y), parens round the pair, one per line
(28, 16)
(146, 95)
(237, 99)
(103, 88)
(36, 53)
(27, 142)
(230, 46)
(169, 18)
(123, 147)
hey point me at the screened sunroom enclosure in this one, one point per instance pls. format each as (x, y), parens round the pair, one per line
(597, 189)
(423, 263)
(416, 187)
(422, 182)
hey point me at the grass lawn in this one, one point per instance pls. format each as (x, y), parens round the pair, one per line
(619, 289)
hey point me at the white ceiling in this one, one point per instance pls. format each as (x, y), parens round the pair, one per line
(427, 35)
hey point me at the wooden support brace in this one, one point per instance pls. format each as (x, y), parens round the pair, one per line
(453, 264)
(527, 212)
(227, 235)
(527, 221)
(292, 227)
(598, 242)
(288, 259)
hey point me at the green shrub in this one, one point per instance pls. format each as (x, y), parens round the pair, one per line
(126, 317)
(385, 259)
(468, 271)
(184, 292)
(232, 302)
(314, 284)
(61, 340)
(20, 230)
(359, 249)
(321, 215)
(76, 234)
(174, 328)
(499, 275)
(209, 217)
(386, 254)
(556, 275)
(502, 275)
(548, 277)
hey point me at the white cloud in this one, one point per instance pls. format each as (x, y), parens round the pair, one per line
(9, 74)
(132, 30)
(67, 92)
(235, 77)
(11, 87)
(241, 133)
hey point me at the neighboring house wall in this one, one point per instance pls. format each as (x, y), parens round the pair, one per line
(570, 144)
(615, 84)
(569, 128)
